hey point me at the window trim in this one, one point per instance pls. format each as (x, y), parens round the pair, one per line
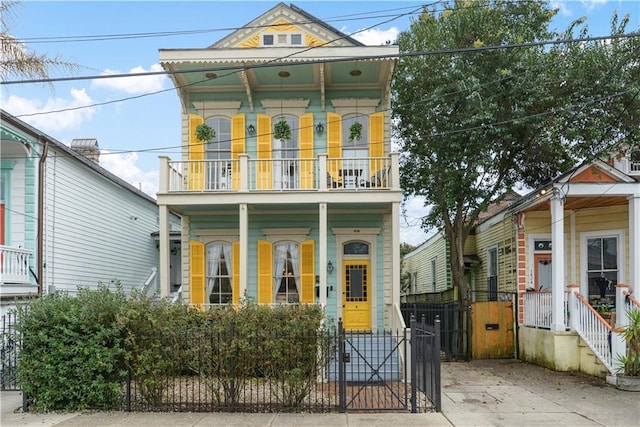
(584, 266)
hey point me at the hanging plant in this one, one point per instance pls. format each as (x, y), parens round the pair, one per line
(355, 131)
(204, 132)
(282, 130)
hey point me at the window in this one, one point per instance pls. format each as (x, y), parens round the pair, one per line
(285, 156)
(282, 39)
(219, 273)
(267, 39)
(492, 273)
(286, 259)
(414, 283)
(218, 152)
(355, 169)
(602, 269)
(356, 248)
(296, 39)
(634, 162)
(433, 275)
(2, 210)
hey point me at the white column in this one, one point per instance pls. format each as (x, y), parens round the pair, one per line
(558, 263)
(322, 171)
(395, 253)
(574, 290)
(323, 253)
(244, 248)
(164, 261)
(244, 172)
(634, 244)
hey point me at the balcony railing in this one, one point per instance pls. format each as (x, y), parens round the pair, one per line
(14, 265)
(245, 174)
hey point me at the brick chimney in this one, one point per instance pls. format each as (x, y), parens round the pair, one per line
(88, 147)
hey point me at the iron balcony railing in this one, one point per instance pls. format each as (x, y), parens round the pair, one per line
(290, 174)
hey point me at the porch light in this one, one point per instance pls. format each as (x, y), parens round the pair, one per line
(319, 128)
(251, 129)
(329, 267)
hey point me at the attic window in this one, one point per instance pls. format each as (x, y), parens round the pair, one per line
(282, 39)
(634, 164)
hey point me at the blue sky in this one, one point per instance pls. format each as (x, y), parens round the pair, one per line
(133, 133)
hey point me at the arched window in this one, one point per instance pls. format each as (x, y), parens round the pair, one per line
(286, 267)
(218, 150)
(356, 248)
(285, 155)
(219, 273)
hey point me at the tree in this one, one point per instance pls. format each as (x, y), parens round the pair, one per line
(17, 60)
(474, 123)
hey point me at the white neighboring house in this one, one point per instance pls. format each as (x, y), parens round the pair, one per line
(65, 221)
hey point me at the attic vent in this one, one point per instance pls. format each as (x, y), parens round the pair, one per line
(87, 147)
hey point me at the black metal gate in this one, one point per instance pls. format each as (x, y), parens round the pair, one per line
(9, 352)
(389, 372)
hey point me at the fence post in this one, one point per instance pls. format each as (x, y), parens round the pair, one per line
(436, 360)
(128, 392)
(414, 363)
(342, 387)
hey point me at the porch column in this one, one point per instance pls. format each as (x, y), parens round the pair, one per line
(244, 248)
(164, 261)
(558, 264)
(395, 254)
(323, 252)
(634, 244)
(618, 343)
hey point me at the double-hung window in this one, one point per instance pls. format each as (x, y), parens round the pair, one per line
(286, 260)
(219, 273)
(218, 150)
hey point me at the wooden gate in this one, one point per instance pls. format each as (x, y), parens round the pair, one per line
(492, 330)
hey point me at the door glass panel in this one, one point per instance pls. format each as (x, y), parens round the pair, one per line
(356, 283)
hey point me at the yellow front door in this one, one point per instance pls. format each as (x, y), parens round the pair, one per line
(356, 304)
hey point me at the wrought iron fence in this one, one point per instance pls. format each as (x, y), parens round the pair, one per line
(425, 356)
(10, 342)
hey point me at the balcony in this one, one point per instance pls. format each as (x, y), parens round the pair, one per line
(14, 271)
(279, 175)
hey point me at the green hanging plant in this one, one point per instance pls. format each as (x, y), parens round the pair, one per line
(355, 131)
(204, 132)
(282, 130)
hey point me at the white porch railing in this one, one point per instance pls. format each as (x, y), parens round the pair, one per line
(245, 174)
(150, 287)
(538, 310)
(14, 265)
(593, 329)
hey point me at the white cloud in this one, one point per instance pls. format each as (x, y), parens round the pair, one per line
(413, 210)
(376, 37)
(135, 84)
(124, 166)
(591, 5)
(563, 8)
(54, 122)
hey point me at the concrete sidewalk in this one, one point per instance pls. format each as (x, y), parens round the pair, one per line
(480, 393)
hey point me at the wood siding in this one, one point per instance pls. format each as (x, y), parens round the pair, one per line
(419, 261)
(500, 235)
(96, 231)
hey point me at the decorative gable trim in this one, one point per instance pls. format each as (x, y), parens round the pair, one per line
(592, 174)
(364, 106)
(218, 108)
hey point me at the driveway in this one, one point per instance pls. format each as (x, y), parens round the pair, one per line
(514, 393)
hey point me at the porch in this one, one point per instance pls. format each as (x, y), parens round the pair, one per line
(15, 274)
(291, 174)
(589, 339)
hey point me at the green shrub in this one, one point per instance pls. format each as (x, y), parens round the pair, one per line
(71, 356)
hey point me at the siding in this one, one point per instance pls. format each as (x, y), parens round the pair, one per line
(419, 261)
(96, 230)
(500, 234)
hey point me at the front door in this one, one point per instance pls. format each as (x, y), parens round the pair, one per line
(356, 304)
(542, 272)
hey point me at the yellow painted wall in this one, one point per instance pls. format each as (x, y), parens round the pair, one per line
(502, 235)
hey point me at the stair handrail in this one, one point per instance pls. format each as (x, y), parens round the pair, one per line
(147, 283)
(631, 300)
(594, 330)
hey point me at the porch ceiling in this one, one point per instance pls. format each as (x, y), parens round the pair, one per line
(311, 208)
(574, 203)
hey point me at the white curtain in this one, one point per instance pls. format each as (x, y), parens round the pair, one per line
(226, 249)
(213, 262)
(279, 261)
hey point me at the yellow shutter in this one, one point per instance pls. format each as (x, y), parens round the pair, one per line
(334, 146)
(307, 271)
(265, 272)
(197, 263)
(236, 272)
(264, 139)
(376, 144)
(306, 151)
(237, 147)
(196, 155)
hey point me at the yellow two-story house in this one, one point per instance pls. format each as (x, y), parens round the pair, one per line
(296, 197)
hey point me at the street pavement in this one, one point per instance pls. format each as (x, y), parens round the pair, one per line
(479, 393)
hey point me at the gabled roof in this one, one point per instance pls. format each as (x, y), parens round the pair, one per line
(20, 126)
(286, 19)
